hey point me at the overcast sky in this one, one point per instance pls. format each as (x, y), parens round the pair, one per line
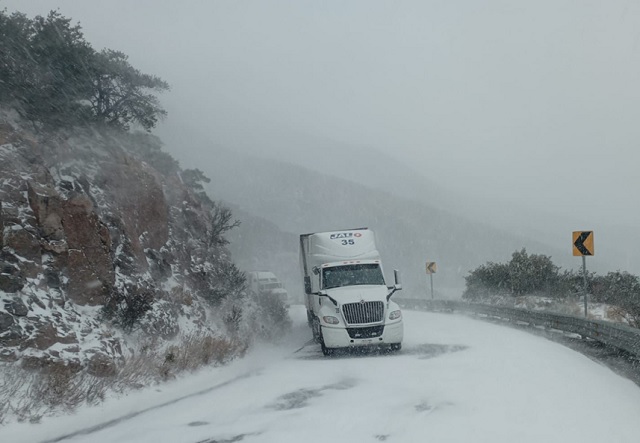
(529, 101)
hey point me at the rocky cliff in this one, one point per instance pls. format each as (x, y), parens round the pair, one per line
(102, 242)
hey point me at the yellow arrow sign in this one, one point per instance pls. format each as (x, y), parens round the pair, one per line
(431, 267)
(582, 243)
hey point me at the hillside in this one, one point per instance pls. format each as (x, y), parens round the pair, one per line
(109, 253)
(298, 200)
(544, 230)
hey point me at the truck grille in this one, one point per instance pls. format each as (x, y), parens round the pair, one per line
(362, 313)
(369, 332)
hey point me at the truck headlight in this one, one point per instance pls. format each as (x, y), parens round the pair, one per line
(395, 315)
(330, 319)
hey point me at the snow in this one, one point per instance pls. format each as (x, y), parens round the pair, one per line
(457, 379)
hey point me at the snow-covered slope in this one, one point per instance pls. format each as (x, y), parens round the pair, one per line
(99, 237)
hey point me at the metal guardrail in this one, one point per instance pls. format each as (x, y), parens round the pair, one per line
(612, 334)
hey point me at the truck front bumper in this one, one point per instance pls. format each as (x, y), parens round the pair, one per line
(342, 338)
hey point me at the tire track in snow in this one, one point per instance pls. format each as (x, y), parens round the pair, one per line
(124, 418)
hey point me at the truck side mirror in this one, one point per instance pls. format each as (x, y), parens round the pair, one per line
(396, 276)
(397, 286)
(307, 284)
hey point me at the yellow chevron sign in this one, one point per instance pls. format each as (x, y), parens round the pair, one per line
(431, 267)
(582, 243)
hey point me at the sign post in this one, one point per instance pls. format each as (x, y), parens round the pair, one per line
(583, 246)
(431, 269)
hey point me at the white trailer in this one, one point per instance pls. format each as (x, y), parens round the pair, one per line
(348, 302)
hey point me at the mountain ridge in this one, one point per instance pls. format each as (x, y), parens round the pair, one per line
(299, 200)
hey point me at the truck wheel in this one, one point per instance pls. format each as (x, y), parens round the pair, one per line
(396, 346)
(326, 351)
(315, 328)
(309, 319)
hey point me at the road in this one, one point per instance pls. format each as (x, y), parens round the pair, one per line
(456, 379)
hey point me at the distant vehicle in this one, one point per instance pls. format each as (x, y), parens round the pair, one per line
(266, 282)
(348, 303)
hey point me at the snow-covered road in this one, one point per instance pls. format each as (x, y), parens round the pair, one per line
(456, 380)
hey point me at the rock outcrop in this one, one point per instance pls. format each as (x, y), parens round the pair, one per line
(99, 236)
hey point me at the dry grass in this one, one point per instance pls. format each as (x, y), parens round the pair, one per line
(198, 350)
(28, 395)
(622, 315)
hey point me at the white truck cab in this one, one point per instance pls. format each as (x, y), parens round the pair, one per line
(348, 302)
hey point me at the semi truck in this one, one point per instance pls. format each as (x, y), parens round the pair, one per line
(347, 299)
(266, 282)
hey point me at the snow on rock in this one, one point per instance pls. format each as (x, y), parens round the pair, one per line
(85, 226)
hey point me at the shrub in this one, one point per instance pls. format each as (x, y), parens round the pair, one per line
(197, 350)
(530, 274)
(621, 289)
(126, 307)
(30, 394)
(524, 274)
(222, 280)
(267, 316)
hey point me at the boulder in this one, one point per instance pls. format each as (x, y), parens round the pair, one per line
(142, 206)
(11, 283)
(24, 243)
(55, 246)
(88, 263)
(88, 284)
(8, 355)
(34, 300)
(16, 307)
(6, 322)
(10, 331)
(11, 214)
(46, 204)
(8, 268)
(47, 335)
(52, 278)
(8, 258)
(75, 349)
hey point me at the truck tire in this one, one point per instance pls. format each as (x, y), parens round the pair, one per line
(396, 347)
(317, 335)
(326, 351)
(309, 319)
(315, 329)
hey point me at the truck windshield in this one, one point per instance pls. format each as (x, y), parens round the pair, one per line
(351, 275)
(269, 286)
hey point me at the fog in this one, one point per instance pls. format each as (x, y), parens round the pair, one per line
(523, 114)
